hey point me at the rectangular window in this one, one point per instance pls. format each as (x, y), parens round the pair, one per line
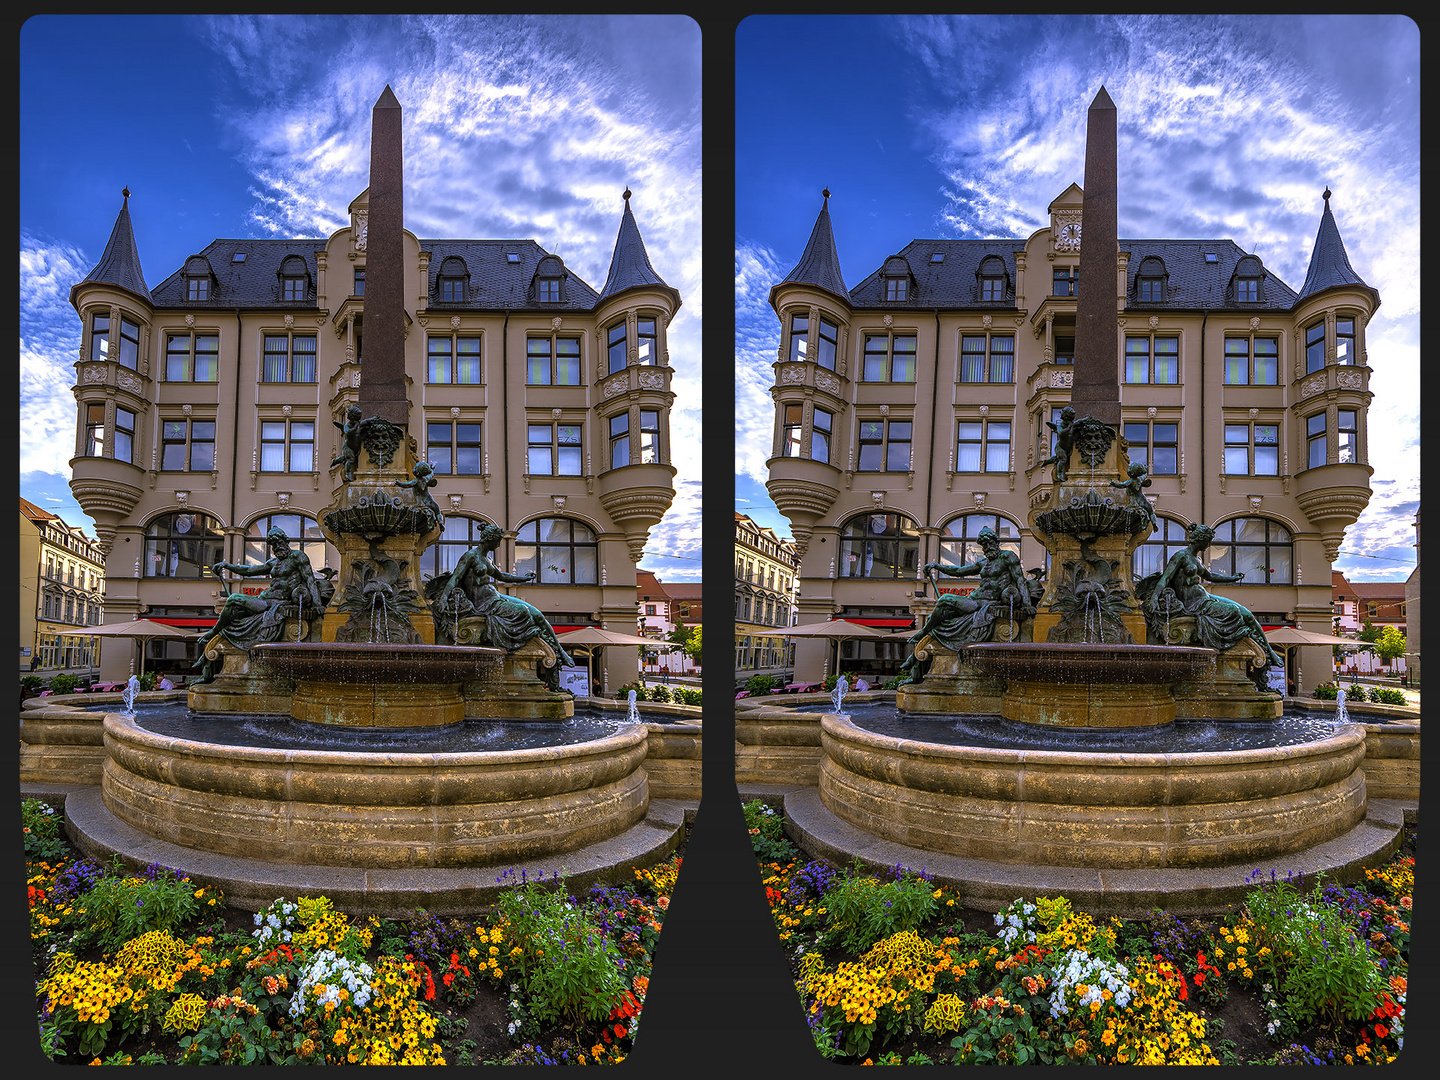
(1002, 359)
(649, 436)
(289, 359)
(1315, 347)
(872, 446)
(1137, 360)
(452, 290)
(1344, 341)
(1315, 436)
(541, 454)
(973, 368)
(1267, 449)
(1237, 361)
(1167, 360)
(569, 456)
(645, 335)
(439, 451)
(439, 356)
(187, 445)
(281, 454)
(294, 289)
(178, 356)
(552, 361)
(897, 446)
(799, 337)
(616, 341)
(129, 353)
(1237, 449)
(1139, 353)
(877, 358)
(1247, 290)
(889, 359)
(124, 435)
(359, 281)
(982, 446)
(1347, 442)
(100, 338)
(198, 288)
(1066, 278)
(1239, 370)
(829, 336)
(790, 434)
(997, 446)
(1267, 362)
(1064, 350)
(567, 361)
(896, 289)
(972, 359)
(549, 291)
(992, 289)
(1154, 446)
(1151, 290)
(620, 440)
(820, 436)
(94, 430)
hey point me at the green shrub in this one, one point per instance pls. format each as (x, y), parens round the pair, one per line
(863, 910)
(1325, 691)
(147, 681)
(660, 693)
(31, 685)
(1387, 696)
(767, 833)
(44, 835)
(760, 685)
(63, 684)
(117, 909)
(685, 696)
(623, 693)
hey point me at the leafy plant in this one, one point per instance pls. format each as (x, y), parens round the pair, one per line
(1325, 691)
(30, 685)
(863, 910)
(44, 836)
(660, 693)
(767, 833)
(118, 909)
(64, 683)
(1387, 696)
(760, 685)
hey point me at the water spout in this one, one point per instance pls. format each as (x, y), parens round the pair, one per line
(1341, 716)
(632, 711)
(131, 691)
(837, 696)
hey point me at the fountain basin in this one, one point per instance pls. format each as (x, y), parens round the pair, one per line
(346, 808)
(1076, 685)
(360, 684)
(1074, 808)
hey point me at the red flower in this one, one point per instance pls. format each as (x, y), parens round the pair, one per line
(619, 1031)
(1381, 1031)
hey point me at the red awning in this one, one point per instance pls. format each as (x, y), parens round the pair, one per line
(882, 624)
(577, 626)
(187, 623)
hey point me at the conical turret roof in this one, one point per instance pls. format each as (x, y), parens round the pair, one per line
(820, 263)
(1329, 266)
(629, 265)
(120, 262)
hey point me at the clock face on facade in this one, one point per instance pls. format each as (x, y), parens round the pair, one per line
(1067, 236)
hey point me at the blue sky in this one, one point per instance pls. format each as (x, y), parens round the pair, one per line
(951, 126)
(241, 126)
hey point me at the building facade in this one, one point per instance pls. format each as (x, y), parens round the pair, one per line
(209, 410)
(62, 586)
(766, 570)
(911, 411)
(1412, 612)
(662, 608)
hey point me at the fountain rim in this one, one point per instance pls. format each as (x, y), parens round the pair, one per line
(127, 727)
(842, 727)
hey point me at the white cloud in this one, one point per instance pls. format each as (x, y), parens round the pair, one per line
(49, 346)
(757, 335)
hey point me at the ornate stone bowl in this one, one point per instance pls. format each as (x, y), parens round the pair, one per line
(1067, 663)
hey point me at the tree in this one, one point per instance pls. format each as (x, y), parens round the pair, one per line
(692, 644)
(1389, 644)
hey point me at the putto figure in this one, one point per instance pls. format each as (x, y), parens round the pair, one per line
(349, 455)
(1135, 489)
(1064, 442)
(1003, 593)
(254, 620)
(424, 475)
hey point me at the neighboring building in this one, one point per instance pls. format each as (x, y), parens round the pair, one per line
(765, 575)
(662, 609)
(62, 586)
(910, 412)
(209, 408)
(1374, 603)
(1412, 612)
(1346, 614)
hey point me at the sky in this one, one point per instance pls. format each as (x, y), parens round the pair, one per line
(259, 126)
(1230, 127)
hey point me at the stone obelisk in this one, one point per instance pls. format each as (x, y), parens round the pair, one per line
(1096, 380)
(382, 380)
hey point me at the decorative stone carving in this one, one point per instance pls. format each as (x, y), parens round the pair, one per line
(1154, 321)
(187, 408)
(1254, 322)
(559, 502)
(889, 320)
(792, 373)
(884, 410)
(283, 498)
(827, 382)
(987, 321)
(1349, 380)
(556, 323)
(359, 227)
(984, 410)
(1093, 439)
(652, 380)
(289, 322)
(455, 322)
(126, 381)
(878, 498)
(189, 320)
(455, 411)
(617, 385)
(287, 409)
(183, 498)
(1254, 413)
(1150, 411)
(979, 497)
(381, 439)
(1311, 387)
(1061, 378)
(1066, 235)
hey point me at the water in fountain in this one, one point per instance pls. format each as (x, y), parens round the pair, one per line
(1341, 716)
(132, 689)
(837, 696)
(632, 712)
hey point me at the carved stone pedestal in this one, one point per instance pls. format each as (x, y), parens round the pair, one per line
(516, 691)
(243, 685)
(950, 686)
(1228, 693)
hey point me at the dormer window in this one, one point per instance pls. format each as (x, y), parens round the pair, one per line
(547, 290)
(896, 277)
(1246, 282)
(546, 287)
(991, 280)
(197, 278)
(451, 281)
(1150, 281)
(294, 280)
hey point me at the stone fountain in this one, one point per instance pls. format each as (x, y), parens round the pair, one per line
(1037, 746)
(378, 788)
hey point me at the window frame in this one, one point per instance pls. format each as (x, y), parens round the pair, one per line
(858, 530)
(984, 444)
(287, 443)
(822, 435)
(619, 426)
(456, 361)
(1346, 341)
(1150, 444)
(289, 337)
(1251, 358)
(827, 347)
(357, 283)
(885, 442)
(553, 358)
(188, 443)
(1069, 276)
(554, 446)
(534, 560)
(987, 358)
(128, 434)
(453, 446)
(1248, 447)
(1315, 347)
(889, 357)
(1317, 437)
(1224, 561)
(897, 289)
(208, 542)
(190, 364)
(1347, 438)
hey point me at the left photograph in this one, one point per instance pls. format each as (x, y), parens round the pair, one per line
(360, 611)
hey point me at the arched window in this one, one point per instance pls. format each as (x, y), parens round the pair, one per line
(562, 551)
(182, 545)
(897, 282)
(459, 534)
(991, 281)
(1245, 282)
(1151, 556)
(199, 278)
(884, 546)
(1260, 548)
(451, 281)
(545, 286)
(959, 539)
(294, 276)
(1150, 281)
(304, 533)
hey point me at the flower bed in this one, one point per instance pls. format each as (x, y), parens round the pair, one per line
(151, 967)
(893, 969)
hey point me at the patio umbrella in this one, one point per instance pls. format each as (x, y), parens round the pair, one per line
(598, 635)
(144, 629)
(1293, 635)
(837, 630)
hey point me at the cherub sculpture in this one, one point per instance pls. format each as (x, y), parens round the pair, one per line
(1064, 442)
(424, 480)
(349, 455)
(1135, 489)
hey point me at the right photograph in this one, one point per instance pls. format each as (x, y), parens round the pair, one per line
(1077, 606)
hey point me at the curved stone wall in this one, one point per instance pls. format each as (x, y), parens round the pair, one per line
(1105, 810)
(388, 810)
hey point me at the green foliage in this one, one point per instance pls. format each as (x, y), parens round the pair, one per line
(641, 694)
(1390, 644)
(660, 693)
(863, 910)
(760, 685)
(44, 835)
(692, 644)
(30, 685)
(63, 684)
(1326, 691)
(767, 833)
(148, 680)
(117, 909)
(685, 696)
(1387, 696)
(236, 1034)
